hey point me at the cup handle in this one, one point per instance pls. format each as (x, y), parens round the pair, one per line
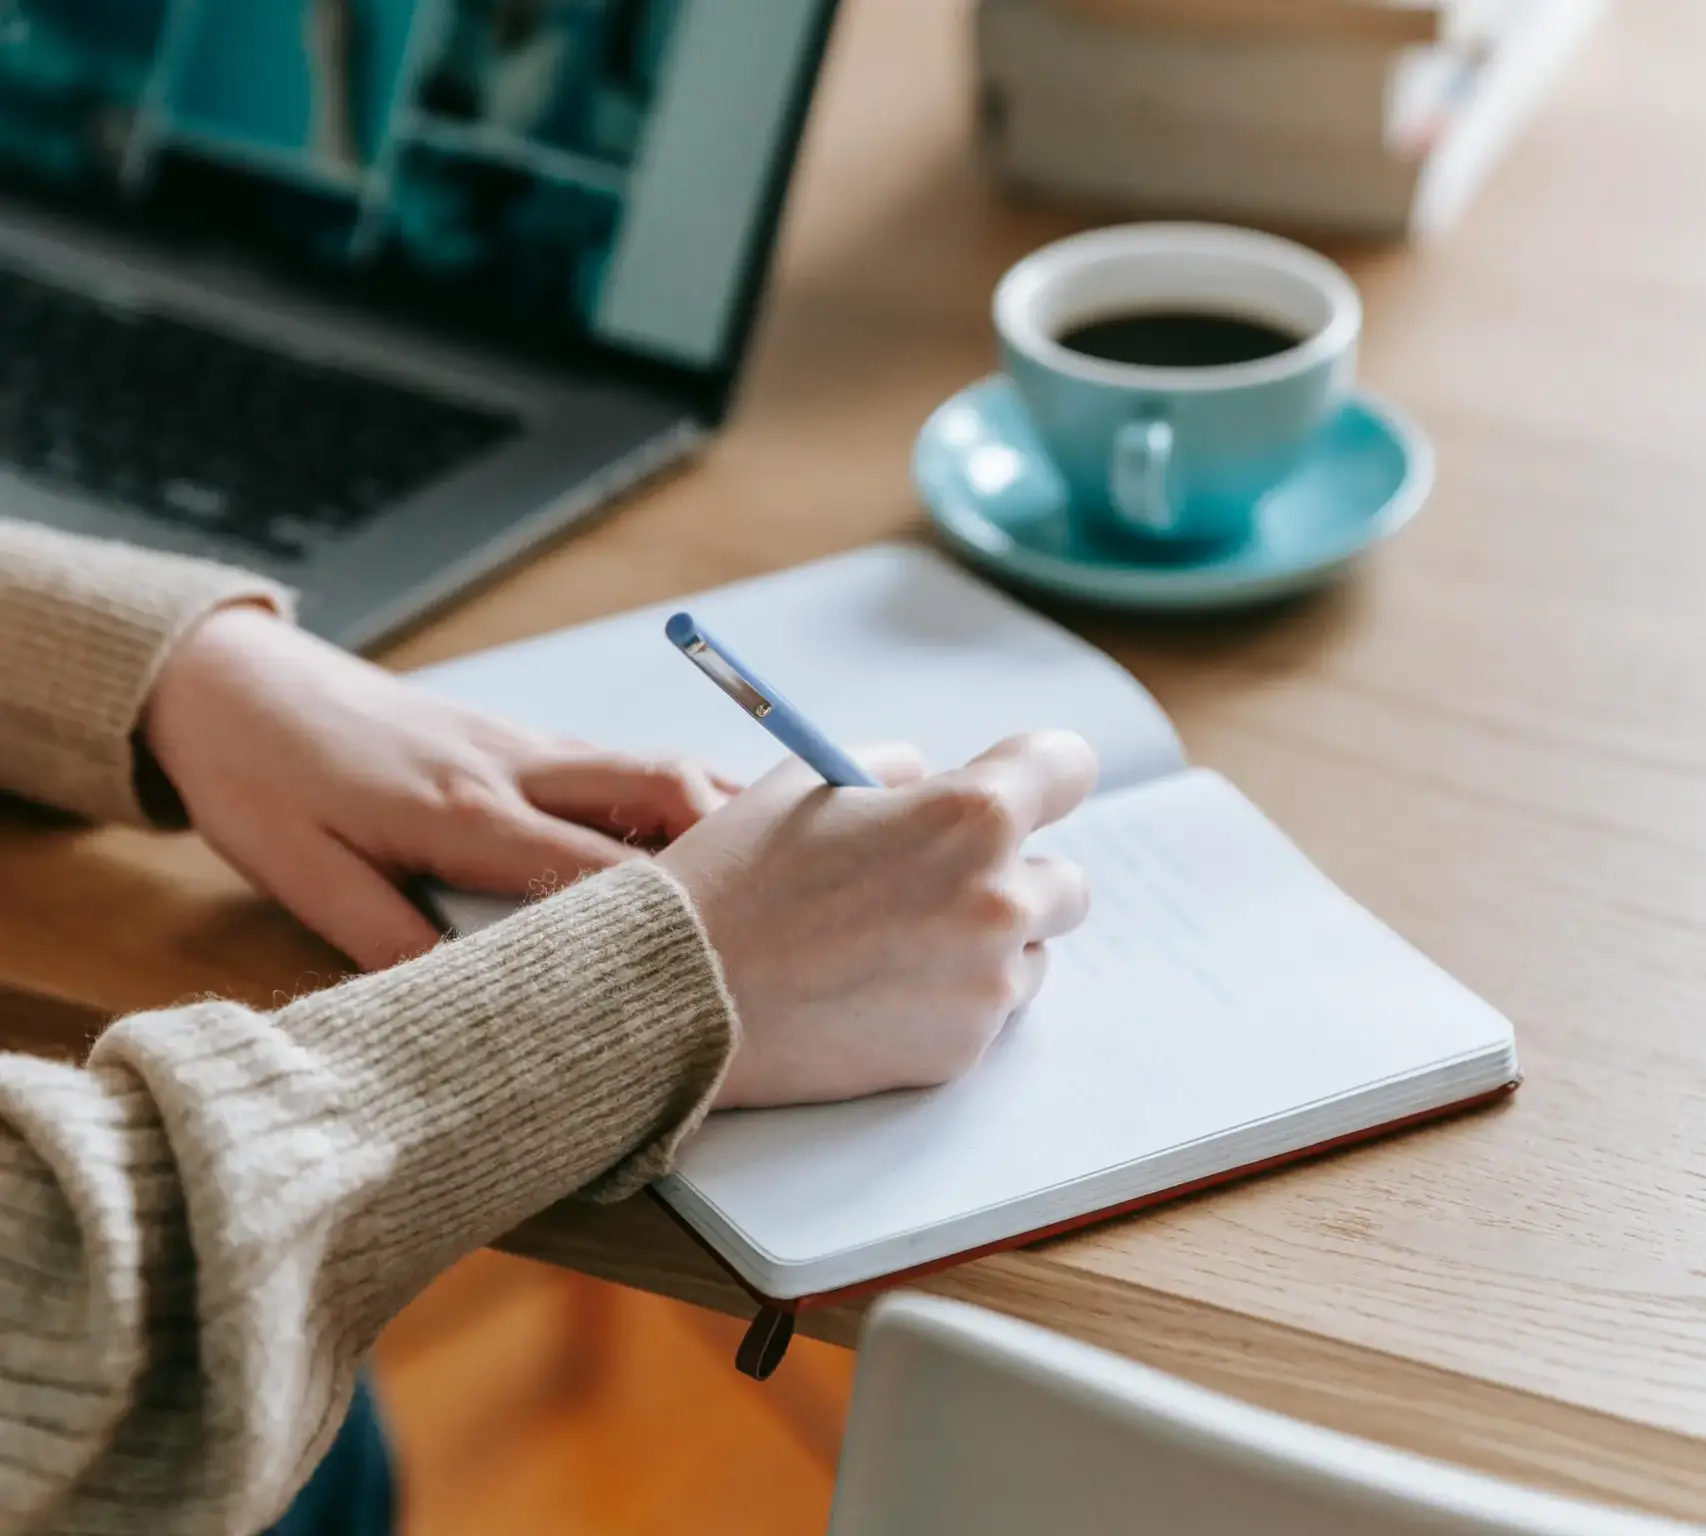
(1137, 476)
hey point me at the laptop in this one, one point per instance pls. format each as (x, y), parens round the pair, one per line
(373, 296)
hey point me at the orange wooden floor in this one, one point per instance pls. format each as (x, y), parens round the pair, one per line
(535, 1403)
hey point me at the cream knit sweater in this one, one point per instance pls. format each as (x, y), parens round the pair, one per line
(202, 1231)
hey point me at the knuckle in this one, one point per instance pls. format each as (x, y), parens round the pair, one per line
(977, 810)
(895, 763)
(671, 775)
(466, 796)
(999, 913)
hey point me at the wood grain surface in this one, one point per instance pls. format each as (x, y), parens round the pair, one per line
(1496, 738)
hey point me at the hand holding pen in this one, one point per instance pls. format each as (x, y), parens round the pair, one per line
(876, 934)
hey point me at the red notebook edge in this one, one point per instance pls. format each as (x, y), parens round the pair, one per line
(772, 1329)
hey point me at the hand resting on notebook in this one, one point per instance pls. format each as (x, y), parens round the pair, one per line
(878, 939)
(325, 779)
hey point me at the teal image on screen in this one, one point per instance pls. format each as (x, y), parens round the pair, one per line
(521, 133)
(577, 75)
(293, 85)
(71, 72)
(115, 35)
(524, 171)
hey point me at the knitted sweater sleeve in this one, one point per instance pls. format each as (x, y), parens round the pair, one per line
(203, 1230)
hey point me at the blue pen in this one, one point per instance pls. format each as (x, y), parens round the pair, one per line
(766, 705)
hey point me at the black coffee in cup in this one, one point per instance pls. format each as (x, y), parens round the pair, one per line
(1179, 338)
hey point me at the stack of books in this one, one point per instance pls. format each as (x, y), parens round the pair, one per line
(1379, 117)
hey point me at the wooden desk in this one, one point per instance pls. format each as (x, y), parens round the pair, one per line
(1496, 738)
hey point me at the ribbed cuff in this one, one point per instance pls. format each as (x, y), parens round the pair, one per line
(318, 1166)
(568, 1049)
(85, 627)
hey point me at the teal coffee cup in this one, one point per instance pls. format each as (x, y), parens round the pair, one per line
(1177, 372)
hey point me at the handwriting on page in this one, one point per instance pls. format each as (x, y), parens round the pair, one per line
(1151, 907)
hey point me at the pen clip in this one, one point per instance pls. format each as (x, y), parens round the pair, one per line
(714, 666)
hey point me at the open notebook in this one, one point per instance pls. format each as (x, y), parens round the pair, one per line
(1225, 1007)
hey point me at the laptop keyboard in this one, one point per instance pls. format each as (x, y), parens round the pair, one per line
(196, 428)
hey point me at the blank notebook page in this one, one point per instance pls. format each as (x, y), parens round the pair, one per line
(887, 643)
(1221, 985)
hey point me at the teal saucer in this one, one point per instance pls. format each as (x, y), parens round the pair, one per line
(997, 499)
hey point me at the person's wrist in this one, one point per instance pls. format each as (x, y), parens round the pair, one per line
(204, 649)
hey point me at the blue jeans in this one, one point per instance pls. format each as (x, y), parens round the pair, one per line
(350, 1493)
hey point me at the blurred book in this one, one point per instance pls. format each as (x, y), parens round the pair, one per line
(1381, 21)
(1092, 102)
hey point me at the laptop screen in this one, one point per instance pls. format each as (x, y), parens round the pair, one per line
(548, 172)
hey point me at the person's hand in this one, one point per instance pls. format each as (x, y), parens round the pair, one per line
(880, 938)
(327, 781)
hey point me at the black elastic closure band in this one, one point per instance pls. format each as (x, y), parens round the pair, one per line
(765, 1344)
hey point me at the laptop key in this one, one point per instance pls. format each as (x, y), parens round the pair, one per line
(201, 429)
